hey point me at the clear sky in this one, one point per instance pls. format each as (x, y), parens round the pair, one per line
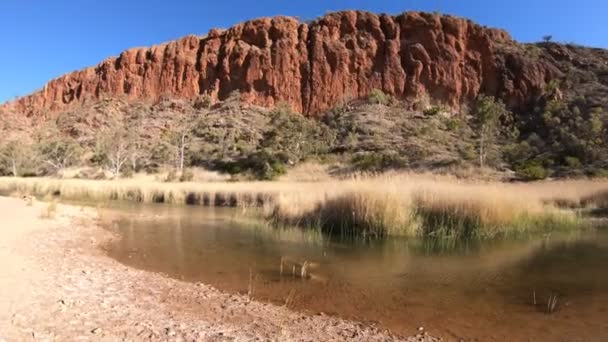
(43, 39)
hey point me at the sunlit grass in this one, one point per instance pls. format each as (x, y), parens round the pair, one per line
(391, 205)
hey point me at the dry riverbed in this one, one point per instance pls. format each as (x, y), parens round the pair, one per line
(57, 284)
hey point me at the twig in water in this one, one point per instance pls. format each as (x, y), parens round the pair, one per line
(251, 287)
(290, 297)
(304, 270)
(551, 303)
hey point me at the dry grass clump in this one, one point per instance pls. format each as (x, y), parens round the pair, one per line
(50, 211)
(366, 213)
(133, 190)
(483, 212)
(378, 206)
(596, 204)
(425, 207)
(598, 200)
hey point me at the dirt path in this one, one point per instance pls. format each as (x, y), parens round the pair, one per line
(58, 285)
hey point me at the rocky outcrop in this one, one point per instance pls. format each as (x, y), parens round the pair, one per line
(312, 66)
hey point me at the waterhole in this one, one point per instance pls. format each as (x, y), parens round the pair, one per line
(551, 287)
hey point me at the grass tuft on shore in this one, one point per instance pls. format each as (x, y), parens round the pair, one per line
(457, 212)
(377, 206)
(353, 213)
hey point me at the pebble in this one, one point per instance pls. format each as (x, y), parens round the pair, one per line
(96, 331)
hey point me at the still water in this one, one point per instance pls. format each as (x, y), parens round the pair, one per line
(476, 291)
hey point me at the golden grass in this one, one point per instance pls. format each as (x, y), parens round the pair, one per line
(137, 190)
(362, 212)
(198, 175)
(391, 204)
(597, 199)
(50, 211)
(414, 205)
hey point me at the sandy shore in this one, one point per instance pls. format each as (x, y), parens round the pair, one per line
(57, 284)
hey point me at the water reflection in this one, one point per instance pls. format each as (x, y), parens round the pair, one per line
(481, 290)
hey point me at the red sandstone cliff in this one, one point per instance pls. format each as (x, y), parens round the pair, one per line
(313, 66)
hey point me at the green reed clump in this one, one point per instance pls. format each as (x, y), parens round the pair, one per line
(476, 219)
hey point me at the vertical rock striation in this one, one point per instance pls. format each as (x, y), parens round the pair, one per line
(313, 66)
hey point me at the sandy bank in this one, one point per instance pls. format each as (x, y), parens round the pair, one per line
(57, 284)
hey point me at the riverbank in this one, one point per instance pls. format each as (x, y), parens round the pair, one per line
(59, 285)
(411, 205)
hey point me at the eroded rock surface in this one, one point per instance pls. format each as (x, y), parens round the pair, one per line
(312, 66)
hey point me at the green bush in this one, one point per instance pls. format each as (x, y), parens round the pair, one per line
(377, 161)
(296, 136)
(452, 124)
(599, 173)
(262, 164)
(377, 96)
(229, 167)
(516, 153)
(432, 111)
(573, 162)
(532, 170)
(467, 152)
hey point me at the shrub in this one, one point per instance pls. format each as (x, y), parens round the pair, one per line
(573, 162)
(514, 154)
(452, 124)
(229, 167)
(296, 136)
(532, 170)
(203, 102)
(171, 176)
(186, 176)
(432, 111)
(467, 152)
(377, 161)
(377, 96)
(600, 173)
(127, 173)
(263, 165)
(274, 170)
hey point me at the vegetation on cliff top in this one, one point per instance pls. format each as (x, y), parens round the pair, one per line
(251, 142)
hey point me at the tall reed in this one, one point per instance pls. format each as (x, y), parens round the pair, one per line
(394, 204)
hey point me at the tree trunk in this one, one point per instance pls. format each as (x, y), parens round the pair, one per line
(481, 149)
(134, 162)
(14, 162)
(182, 149)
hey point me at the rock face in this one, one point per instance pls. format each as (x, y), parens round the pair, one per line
(313, 66)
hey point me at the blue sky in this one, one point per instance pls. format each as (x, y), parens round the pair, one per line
(43, 39)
